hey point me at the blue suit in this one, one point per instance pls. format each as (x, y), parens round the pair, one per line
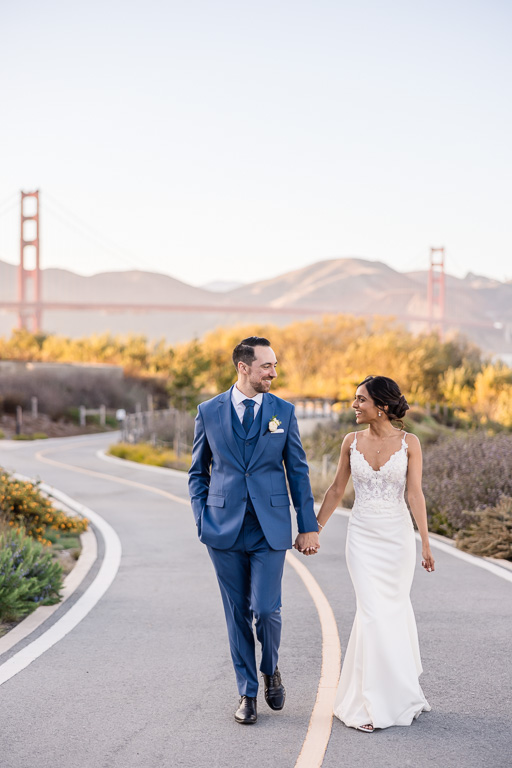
(237, 485)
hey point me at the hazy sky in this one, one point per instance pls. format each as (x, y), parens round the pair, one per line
(237, 140)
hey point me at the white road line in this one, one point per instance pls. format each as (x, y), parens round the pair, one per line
(84, 564)
(71, 582)
(496, 570)
(111, 478)
(84, 604)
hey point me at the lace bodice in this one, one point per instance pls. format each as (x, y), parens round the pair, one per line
(382, 490)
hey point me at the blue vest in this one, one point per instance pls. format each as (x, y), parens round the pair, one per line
(246, 443)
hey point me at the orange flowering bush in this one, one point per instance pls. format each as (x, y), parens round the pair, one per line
(25, 507)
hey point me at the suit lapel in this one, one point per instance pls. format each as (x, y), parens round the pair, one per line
(267, 411)
(226, 425)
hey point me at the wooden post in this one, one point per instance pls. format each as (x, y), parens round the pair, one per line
(103, 415)
(177, 434)
(325, 466)
(19, 419)
(82, 415)
(34, 407)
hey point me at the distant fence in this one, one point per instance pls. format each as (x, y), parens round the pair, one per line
(168, 428)
(314, 408)
(83, 412)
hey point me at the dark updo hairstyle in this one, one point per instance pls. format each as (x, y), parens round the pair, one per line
(386, 392)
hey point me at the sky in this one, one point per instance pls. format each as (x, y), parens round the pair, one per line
(234, 141)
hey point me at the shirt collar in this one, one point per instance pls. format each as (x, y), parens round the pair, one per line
(239, 397)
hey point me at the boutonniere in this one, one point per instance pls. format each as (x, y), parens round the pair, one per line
(273, 424)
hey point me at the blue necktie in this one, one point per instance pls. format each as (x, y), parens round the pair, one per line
(248, 415)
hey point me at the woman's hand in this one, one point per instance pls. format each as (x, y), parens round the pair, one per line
(427, 558)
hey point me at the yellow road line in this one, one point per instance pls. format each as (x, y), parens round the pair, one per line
(41, 456)
(320, 723)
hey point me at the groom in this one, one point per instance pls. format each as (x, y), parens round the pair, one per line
(244, 439)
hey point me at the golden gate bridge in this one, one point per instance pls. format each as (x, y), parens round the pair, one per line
(30, 304)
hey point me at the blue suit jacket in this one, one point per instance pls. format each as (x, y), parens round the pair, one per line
(221, 486)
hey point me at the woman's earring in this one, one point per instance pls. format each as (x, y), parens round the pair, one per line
(380, 414)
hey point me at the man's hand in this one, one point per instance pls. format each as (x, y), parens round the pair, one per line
(307, 543)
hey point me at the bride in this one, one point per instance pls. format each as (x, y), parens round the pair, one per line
(379, 684)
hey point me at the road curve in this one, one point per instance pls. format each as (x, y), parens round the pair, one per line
(145, 678)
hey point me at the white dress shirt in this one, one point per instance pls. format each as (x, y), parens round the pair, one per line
(237, 398)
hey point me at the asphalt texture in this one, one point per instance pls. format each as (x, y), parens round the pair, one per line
(146, 679)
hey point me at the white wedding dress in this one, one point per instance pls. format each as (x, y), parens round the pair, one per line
(379, 679)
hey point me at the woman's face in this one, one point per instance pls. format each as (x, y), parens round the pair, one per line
(364, 407)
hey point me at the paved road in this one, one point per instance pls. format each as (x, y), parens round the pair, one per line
(145, 679)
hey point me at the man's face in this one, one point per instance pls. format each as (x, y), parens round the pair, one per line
(262, 370)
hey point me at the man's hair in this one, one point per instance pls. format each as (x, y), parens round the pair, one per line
(244, 352)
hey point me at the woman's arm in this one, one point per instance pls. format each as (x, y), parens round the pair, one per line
(417, 499)
(335, 491)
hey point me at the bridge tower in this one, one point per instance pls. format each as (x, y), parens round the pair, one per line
(436, 290)
(29, 279)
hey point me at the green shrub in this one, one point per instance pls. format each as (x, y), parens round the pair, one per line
(28, 576)
(24, 506)
(2, 435)
(490, 532)
(62, 541)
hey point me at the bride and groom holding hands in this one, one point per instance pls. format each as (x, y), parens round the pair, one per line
(246, 447)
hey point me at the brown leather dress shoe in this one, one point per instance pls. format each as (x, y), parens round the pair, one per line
(246, 713)
(275, 693)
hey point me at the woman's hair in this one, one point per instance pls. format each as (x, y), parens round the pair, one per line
(386, 392)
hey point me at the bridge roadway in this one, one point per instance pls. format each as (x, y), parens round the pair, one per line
(144, 680)
(226, 309)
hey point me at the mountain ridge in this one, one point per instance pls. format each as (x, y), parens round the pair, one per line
(347, 285)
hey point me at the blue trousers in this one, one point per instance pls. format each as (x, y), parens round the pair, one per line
(249, 576)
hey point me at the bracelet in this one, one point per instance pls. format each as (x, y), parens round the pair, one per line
(319, 524)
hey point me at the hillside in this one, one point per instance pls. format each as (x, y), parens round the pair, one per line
(473, 304)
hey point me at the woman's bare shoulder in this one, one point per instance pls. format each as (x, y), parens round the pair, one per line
(412, 441)
(348, 440)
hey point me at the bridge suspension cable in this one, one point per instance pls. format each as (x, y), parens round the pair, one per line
(84, 229)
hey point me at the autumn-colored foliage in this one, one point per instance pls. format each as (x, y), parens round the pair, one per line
(24, 507)
(320, 359)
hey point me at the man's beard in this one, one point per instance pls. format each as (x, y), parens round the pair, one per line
(261, 386)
